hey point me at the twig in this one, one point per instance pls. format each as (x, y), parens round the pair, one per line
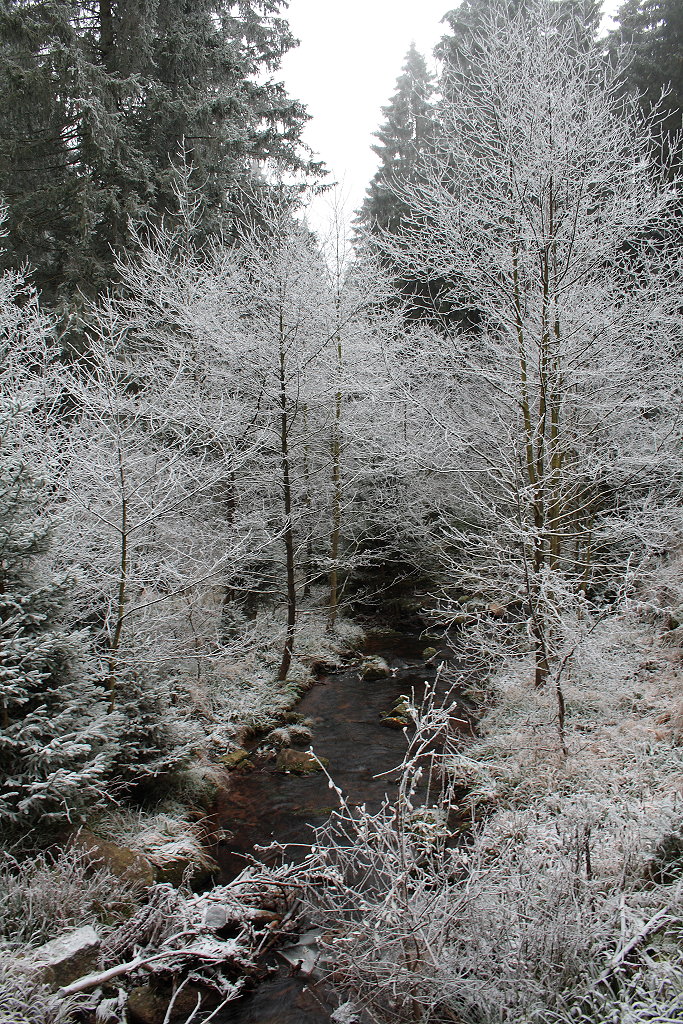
(176, 993)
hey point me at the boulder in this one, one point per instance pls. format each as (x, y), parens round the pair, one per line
(299, 762)
(304, 957)
(122, 862)
(200, 786)
(66, 958)
(374, 668)
(429, 652)
(145, 1006)
(394, 721)
(323, 668)
(218, 915)
(234, 758)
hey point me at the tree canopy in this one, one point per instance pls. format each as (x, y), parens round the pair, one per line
(653, 32)
(99, 99)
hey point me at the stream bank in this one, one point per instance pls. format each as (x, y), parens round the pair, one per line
(221, 942)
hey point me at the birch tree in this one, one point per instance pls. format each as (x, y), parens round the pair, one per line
(538, 205)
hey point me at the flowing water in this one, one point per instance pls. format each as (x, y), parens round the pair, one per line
(263, 805)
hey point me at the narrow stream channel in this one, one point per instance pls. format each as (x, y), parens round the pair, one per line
(262, 804)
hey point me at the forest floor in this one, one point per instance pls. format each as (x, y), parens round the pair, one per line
(565, 904)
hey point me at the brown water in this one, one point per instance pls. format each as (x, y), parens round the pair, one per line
(263, 805)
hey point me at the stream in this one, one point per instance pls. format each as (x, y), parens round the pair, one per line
(262, 805)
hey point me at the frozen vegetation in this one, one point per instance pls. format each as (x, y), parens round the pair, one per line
(563, 899)
(236, 441)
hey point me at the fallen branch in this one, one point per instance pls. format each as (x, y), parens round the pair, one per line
(654, 925)
(102, 977)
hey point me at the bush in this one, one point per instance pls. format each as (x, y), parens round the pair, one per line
(53, 892)
(565, 901)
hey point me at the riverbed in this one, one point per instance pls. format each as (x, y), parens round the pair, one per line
(261, 805)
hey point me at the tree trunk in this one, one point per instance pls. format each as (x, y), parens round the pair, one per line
(106, 33)
(288, 526)
(336, 500)
(122, 595)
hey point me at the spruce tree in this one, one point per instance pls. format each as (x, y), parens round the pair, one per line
(402, 140)
(653, 32)
(99, 98)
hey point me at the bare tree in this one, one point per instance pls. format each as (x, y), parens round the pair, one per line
(542, 207)
(288, 324)
(359, 321)
(142, 449)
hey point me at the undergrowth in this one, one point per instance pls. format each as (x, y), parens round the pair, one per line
(565, 902)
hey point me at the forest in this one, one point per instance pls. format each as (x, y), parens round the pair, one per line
(246, 465)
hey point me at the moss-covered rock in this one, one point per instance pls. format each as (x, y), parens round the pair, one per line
(394, 721)
(234, 758)
(127, 864)
(299, 762)
(374, 668)
(148, 1005)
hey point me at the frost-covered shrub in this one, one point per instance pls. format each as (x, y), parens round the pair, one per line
(49, 893)
(56, 732)
(156, 737)
(574, 856)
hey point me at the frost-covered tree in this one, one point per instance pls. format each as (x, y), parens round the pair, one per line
(56, 737)
(99, 97)
(538, 203)
(403, 138)
(289, 322)
(55, 733)
(143, 456)
(652, 31)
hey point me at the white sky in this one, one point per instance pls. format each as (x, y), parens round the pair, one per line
(345, 71)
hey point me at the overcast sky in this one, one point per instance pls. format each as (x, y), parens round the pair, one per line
(345, 70)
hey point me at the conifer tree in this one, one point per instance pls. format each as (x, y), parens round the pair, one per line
(653, 32)
(55, 733)
(57, 740)
(98, 98)
(402, 140)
